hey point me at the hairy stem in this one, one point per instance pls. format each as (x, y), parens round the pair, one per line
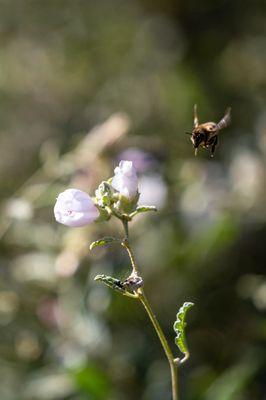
(144, 301)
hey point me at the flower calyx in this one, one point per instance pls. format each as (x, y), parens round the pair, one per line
(133, 282)
(104, 194)
(127, 288)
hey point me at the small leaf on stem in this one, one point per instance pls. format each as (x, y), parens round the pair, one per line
(103, 241)
(179, 327)
(146, 208)
(111, 282)
(142, 209)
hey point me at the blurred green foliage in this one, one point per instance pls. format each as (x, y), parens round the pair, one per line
(81, 82)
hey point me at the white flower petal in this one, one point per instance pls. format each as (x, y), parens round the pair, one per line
(75, 208)
(125, 180)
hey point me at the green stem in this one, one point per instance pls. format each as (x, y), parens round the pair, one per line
(125, 225)
(135, 270)
(164, 343)
(126, 244)
(144, 301)
(128, 294)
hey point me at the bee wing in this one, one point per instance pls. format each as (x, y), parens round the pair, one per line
(196, 120)
(225, 121)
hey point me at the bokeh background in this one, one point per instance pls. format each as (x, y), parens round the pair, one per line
(84, 84)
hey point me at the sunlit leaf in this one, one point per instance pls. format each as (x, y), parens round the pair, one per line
(103, 241)
(142, 209)
(111, 282)
(179, 327)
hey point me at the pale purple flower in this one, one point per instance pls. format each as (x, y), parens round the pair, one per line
(142, 160)
(75, 208)
(153, 190)
(125, 180)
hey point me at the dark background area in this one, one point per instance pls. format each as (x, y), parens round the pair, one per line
(81, 83)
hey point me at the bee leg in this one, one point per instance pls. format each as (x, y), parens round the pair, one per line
(206, 139)
(214, 144)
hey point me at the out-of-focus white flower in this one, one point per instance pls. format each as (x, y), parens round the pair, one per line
(248, 178)
(152, 190)
(19, 208)
(142, 160)
(75, 208)
(125, 180)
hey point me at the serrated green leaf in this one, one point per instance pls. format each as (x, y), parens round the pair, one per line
(103, 241)
(111, 282)
(179, 327)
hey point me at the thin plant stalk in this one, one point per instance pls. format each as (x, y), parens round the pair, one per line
(144, 301)
(164, 343)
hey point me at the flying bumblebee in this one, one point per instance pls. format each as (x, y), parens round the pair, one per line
(206, 135)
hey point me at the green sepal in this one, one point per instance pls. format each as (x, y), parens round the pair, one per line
(105, 215)
(123, 205)
(111, 282)
(104, 194)
(179, 328)
(103, 241)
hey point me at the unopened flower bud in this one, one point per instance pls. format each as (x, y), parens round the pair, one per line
(75, 208)
(125, 180)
